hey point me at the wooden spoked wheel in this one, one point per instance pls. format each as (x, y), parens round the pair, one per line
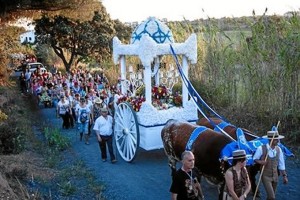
(126, 131)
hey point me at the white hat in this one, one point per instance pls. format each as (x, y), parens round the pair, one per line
(273, 134)
(98, 100)
(238, 154)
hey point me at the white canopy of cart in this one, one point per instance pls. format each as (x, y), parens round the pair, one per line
(148, 51)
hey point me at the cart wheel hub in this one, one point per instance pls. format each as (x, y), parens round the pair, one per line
(125, 131)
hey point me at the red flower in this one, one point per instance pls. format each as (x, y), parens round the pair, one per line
(177, 100)
(159, 92)
(136, 102)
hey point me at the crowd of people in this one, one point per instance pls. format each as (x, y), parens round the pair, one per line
(83, 100)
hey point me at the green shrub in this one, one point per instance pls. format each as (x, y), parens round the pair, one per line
(67, 188)
(11, 138)
(56, 140)
(177, 88)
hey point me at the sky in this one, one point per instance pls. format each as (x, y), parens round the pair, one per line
(140, 10)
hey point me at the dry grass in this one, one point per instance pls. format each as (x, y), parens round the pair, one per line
(29, 169)
(19, 162)
(15, 169)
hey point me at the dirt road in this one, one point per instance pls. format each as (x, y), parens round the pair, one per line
(148, 177)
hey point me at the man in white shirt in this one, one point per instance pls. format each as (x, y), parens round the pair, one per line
(104, 131)
(271, 157)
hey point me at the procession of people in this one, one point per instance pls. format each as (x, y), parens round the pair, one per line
(86, 101)
(79, 98)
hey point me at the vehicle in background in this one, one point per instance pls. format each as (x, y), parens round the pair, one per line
(31, 66)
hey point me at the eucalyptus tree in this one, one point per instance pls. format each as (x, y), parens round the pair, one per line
(73, 40)
(123, 31)
(11, 10)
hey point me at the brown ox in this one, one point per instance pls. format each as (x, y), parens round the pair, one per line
(231, 130)
(206, 148)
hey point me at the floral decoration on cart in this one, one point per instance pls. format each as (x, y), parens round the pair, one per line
(162, 99)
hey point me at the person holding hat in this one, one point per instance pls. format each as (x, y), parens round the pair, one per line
(104, 131)
(237, 182)
(271, 157)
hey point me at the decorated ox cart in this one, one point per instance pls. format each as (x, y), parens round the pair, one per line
(140, 125)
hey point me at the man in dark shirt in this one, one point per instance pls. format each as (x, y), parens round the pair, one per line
(185, 184)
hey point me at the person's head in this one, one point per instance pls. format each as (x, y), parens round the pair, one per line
(67, 93)
(77, 96)
(239, 156)
(98, 101)
(82, 100)
(91, 91)
(62, 97)
(188, 160)
(104, 111)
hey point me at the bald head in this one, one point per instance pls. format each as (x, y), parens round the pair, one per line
(185, 154)
(188, 160)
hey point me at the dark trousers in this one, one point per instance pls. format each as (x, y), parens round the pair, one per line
(70, 119)
(66, 121)
(90, 128)
(74, 115)
(107, 140)
(23, 87)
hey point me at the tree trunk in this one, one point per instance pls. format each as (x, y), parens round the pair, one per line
(59, 52)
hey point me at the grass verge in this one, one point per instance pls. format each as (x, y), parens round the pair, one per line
(33, 162)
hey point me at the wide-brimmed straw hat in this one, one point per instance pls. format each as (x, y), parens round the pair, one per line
(98, 101)
(238, 154)
(273, 134)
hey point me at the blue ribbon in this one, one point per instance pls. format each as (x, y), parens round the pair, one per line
(221, 125)
(194, 136)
